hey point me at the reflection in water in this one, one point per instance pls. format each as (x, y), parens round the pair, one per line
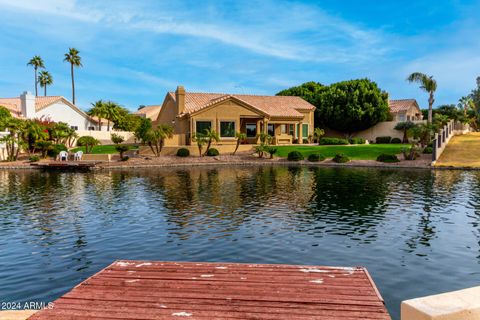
(410, 228)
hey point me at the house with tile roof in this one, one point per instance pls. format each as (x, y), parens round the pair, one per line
(405, 110)
(54, 108)
(150, 112)
(287, 119)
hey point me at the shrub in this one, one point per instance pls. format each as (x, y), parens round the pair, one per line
(116, 138)
(271, 151)
(44, 146)
(396, 140)
(341, 158)
(357, 141)
(121, 148)
(315, 157)
(333, 141)
(212, 152)
(411, 153)
(125, 158)
(56, 149)
(34, 158)
(183, 152)
(390, 158)
(295, 156)
(386, 139)
(428, 150)
(87, 141)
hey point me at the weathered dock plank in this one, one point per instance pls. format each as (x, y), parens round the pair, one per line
(173, 290)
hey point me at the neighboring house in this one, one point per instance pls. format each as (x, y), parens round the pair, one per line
(285, 118)
(150, 112)
(54, 108)
(405, 110)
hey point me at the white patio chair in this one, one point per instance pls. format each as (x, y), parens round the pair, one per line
(63, 155)
(78, 156)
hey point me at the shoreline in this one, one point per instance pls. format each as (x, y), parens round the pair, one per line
(238, 160)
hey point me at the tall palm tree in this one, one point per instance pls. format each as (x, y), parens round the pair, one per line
(427, 84)
(45, 79)
(36, 62)
(98, 110)
(75, 60)
(466, 103)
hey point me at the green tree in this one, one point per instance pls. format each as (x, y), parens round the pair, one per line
(36, 62)
(33, 132)
(98, 110)
(155, 137)
(212, 136)
(143, 128)
(5, 117)
(353, 105)
(75, 60)
(116, 138)
(60, 132)
(427, 84)
(45, 79)
(309, 91)
(126, 121)
(88, 142)
(112, 112)
(318, 134)
(14, 140)
(405, 126)
(201, 140)
(240, 136)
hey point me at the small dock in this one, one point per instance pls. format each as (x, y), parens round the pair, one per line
(188, 290)
(66, 165)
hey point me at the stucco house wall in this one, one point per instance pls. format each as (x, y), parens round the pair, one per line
(60, 112)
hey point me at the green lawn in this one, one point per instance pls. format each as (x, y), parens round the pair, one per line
(355, 152)
(104, 149)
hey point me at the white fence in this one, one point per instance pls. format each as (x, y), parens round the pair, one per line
(442, 138)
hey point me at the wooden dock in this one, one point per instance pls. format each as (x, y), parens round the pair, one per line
(189, 290)
(66, 165)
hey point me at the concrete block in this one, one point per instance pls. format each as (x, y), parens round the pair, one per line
(455, 305)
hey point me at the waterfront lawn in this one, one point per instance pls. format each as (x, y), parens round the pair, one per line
(103, 149)
(354, 152)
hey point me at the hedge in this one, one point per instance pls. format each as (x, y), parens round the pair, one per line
(390, 158)
(341, 158)
(212, 152)
(333, 141)
(295, 156)
(315, 157)
(386, 139)
(357, 141)
(396, 140)
(183, 152)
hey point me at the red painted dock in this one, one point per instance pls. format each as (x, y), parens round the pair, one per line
(189, 290)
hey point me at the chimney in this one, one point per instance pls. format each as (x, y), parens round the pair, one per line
(180, 97)
(28, 105)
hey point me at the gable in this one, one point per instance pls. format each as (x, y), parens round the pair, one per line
(228, 109)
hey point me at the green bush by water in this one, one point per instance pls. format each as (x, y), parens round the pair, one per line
(341, 158)
(389, 158)
(295, 156)
(55, 149)
(428, 150)
(183, 152)
(212, 152)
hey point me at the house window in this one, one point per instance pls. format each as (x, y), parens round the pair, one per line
(251, 129)
(203, 126)
(291, 129)
(74, 127)
(271, 130)
(283, 128)
(227, 129)
(305, 130)
(91, 128)
(401, 117)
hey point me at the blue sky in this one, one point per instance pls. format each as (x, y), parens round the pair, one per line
(135, 51)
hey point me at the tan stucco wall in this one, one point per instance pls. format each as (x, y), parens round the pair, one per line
(223, 149)
(228, 110)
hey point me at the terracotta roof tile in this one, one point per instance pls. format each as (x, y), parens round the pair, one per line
(273, 106)
(401, 105)
(150, 112)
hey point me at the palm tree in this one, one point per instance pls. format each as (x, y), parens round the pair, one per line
(405, 126)
(112, 112)
(466, 103)
(318, 133)
(240, 137)
(36, 62)
(45, 79)
(75, 60)
(98, 110)
(427, 84)
(211, 135)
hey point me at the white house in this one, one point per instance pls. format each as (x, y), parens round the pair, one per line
(54, 108)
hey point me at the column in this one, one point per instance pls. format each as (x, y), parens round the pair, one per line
(265, 125)
(300, 133)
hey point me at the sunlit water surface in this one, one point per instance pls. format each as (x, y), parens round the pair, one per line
(417, 232)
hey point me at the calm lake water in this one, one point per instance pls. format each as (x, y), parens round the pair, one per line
(417, 232)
